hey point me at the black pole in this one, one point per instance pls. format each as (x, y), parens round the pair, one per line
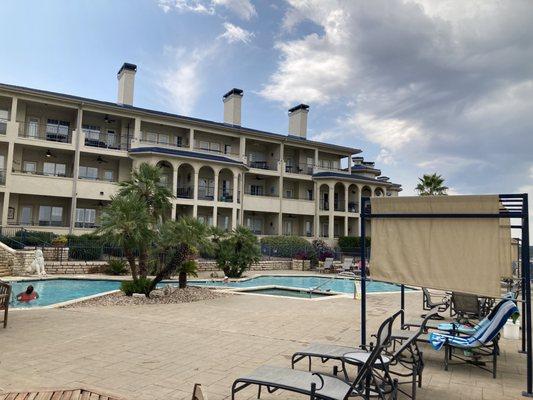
(402, 304)
(363, 270)
(526, 266)
(523, 289)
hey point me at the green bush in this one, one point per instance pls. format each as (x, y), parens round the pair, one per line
(322, 250)
(237, 252)
(289, 246)
(116, 267)
(141, 285)
(86, 247)
(351, 243)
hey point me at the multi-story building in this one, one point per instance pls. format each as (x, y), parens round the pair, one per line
(62, 155)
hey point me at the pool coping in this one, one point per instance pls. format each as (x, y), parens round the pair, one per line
(236, 290)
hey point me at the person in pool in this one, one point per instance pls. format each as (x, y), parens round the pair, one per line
(28, 295)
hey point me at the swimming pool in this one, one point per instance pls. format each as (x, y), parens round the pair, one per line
(341, 285)
(53, 291)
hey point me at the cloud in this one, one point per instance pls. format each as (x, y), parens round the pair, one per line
(233, 33)
(434, 85)
(242, 8)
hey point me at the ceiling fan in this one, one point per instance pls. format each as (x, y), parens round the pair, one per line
(49, 154)
(100, 160)
(108, 120)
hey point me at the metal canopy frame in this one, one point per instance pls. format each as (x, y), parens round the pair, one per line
(514, 206)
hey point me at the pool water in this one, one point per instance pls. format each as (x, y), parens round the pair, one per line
(341, 285)
(286, 293)
(54, 291)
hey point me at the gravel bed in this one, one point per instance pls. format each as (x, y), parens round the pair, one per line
(187, 295)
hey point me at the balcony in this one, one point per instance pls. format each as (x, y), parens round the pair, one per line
(226, 197)
(185, 193)
(302, 169)
(104, 140)
(2, 177)
(206, 193)
(53, 131)
(353, 207)
(264, 165)
(217, 151)
(163, 140)
(56, 172)
(3, 126)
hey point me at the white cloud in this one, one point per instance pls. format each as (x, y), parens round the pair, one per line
(242, 8)
(233, 33)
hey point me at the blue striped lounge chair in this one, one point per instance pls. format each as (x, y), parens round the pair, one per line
(482, 344)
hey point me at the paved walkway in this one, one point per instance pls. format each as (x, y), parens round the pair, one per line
(51, 394)
(160, 351)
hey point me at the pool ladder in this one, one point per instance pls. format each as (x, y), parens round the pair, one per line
(313, 290)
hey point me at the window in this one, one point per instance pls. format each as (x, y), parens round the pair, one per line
(206, 219)
(50, 216)
(256, 190)
(163, 138)
(30, 167)
(325, 229)
(111, 138)
(308, 228)
(109, 175)
(26, 215)
(33, 127)
(88, 172)
(204, 145)
(92, 132)
(150, 137)
(255, 225)
(56, 128)
(309, 194)
(309, 166)
(215, 147)
(288, 228)
(225, 222)
(53, 169)
(179, 141)
(85, 217)
(288, 194)
(2, 162)
(4, 116)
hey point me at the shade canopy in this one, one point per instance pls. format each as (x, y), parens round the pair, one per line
(468, 255)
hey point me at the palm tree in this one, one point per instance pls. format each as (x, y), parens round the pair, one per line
(237, 252)
(126, 222)
(180, 241)
(147, 185)
(431, 185)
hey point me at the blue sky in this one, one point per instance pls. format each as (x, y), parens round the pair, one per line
(420, 86)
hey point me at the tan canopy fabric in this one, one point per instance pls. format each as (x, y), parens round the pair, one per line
(459, 254)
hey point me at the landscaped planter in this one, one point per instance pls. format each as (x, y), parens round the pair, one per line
(301, 265)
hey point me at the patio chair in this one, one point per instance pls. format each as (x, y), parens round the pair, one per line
(5, 297)
(327, 266)
(429, 302)
(482, 344)
(470, 305)
(347, 265)
(319, 386)
(407, 355)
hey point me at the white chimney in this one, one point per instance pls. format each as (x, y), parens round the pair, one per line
(298, 120)
(232, 106)
(126, 82)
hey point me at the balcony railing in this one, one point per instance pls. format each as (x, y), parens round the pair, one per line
(40, 172)
(255, 193)
(105, 141)
(3, 126)
(272, 166)
(32, 222)
(50, 132)
(304, 169)
(86, 225)
(172, 141)
(185, 192)
(2, 177)
(226, 196)
(353, 207)
(206, 193)
(221, 152)
(338, 206)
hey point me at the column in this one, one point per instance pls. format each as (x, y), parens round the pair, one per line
(9, 168)
(242, 147)
(215, 216)
(350, 164)
(215, 189)
(346, 225)
(331, 217)
(14, 106)
(195, 196)
(316, 219)
(174, 188)
(75, 171)
(359, 191)
(346, 194)
(235, 187)
(137, 134)
(191, 138)
(316, 157)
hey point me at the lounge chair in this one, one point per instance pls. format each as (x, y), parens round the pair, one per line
(429, 302)
(5, 297)
(319, 386)
(481, 344)
(327, 266)
(346, 266)
(406, 355)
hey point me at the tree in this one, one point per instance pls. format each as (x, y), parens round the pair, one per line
(431, 185)
(179, 242)
(126, 223)
(237, 252)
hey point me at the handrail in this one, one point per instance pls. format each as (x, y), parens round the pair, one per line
(313, 290)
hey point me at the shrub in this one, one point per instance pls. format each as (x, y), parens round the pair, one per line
(349, 244)
(237, 252)
(141, 285)
(288, 246)
(86, 247)
(322, 250)
(59, 241)
(116, 267)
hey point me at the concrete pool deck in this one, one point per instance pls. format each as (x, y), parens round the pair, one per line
(160, 351)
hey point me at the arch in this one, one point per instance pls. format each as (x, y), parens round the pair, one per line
(225, 185)
(353, 198)
(185, 184)
(378, 192)
(324, 197)
(206, 183)
(167, 171)
(366, 191)
(339, 196)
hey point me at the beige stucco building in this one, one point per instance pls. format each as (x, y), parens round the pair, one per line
(61, 156)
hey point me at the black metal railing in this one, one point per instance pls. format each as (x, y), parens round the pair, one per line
(206, 193)
(185, 192)
(221, 152)
(105, 140)
(37, 222)
(50, 132)
(272, 166)
(225, 196)
(41, 172)
(304, 169)
(2, 176)
(172, 141)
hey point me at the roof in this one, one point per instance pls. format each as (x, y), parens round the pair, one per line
(353, 177)
(127, 66)
(299, 107)
(208, 123)
(238, 92)
(186, 153)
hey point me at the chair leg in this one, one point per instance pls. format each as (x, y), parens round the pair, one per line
(494, 362)
(413, 382)
(446, 350)
(5, 318)
(259, 392)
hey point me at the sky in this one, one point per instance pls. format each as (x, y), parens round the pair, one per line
(420, 86)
